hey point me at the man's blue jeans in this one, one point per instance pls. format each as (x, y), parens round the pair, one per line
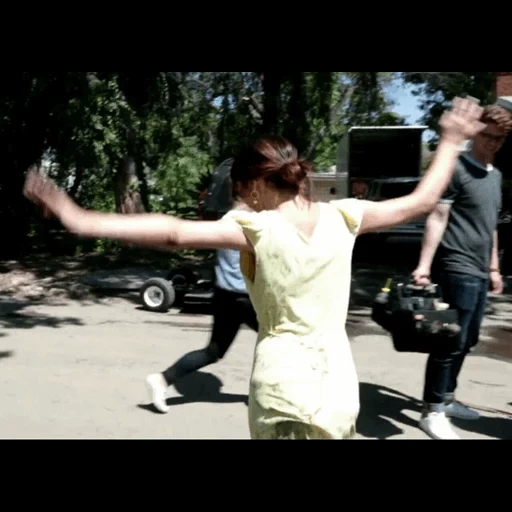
(468, 295)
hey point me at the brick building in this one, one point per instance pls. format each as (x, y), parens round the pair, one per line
(504, 84)
(504, 163)
(504, 96)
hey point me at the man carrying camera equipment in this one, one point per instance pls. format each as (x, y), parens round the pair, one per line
(461, 248)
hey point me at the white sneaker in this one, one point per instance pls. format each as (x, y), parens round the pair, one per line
(460, 412)
(438, 427)
(158, 392)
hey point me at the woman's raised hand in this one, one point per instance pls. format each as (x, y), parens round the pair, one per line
(462, 121)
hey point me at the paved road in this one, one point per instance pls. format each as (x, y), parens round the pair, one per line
(77, 371)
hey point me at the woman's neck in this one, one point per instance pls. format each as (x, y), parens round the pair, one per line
(276, 200)
(294, 201)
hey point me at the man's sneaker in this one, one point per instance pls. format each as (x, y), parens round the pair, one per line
(458, 411)
(438, 427)
(158, 392)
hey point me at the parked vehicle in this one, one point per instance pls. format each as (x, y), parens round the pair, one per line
(182, 288)
(368, 153)
(217, 199)
(392, 188)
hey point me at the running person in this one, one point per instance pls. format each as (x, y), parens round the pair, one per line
(231, 308)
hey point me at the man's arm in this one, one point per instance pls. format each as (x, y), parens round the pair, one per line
(495, 258)
(497, 284)
(435, 229)
(496, 278)
(437, 223)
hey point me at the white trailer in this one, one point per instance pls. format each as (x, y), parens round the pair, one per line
(367, 153)
(323, 186)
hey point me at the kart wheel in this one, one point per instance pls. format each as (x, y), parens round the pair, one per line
(158, 295)
(182, 277)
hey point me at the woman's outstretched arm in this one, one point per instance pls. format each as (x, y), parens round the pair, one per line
(156, 231)
(461, 123)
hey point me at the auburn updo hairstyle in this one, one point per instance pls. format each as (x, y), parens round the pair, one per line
(274, 160)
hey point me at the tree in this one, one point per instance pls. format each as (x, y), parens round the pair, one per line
(438, 88)
(135, 141)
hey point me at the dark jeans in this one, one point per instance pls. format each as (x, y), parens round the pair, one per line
(468, 295)
(230, 311)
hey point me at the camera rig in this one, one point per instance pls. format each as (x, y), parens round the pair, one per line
(416, 317)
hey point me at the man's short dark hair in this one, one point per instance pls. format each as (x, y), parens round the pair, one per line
(499, 116)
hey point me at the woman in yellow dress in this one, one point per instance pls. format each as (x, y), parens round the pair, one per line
(296, 259)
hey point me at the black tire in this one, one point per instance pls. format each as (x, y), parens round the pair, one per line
(158, 295)
(183, 277)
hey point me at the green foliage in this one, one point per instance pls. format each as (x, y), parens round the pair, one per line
(175, 127)
(179, 178)
(438, 88)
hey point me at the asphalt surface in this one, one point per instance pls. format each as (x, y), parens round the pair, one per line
(77, 370)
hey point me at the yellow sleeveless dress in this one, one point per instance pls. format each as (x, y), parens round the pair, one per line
(304, 383)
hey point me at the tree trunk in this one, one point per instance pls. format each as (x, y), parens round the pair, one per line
(272, 81)
(130, 187)
(143, 184)
(127, 188)
(298, 131)
(15, 215)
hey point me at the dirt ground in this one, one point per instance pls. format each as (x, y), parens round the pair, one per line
(73, 364)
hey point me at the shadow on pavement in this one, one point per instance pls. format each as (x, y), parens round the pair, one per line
(200, 387)
(497, 428)
(380, 407)
(6, 355)
(12, 316)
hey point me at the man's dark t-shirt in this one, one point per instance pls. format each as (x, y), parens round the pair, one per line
(475, 196)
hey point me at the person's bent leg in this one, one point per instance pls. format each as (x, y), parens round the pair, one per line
(455, 409)
(462, 293)
(226, 324)
(247, 313)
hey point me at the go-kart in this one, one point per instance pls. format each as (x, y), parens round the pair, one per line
(182, 287)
